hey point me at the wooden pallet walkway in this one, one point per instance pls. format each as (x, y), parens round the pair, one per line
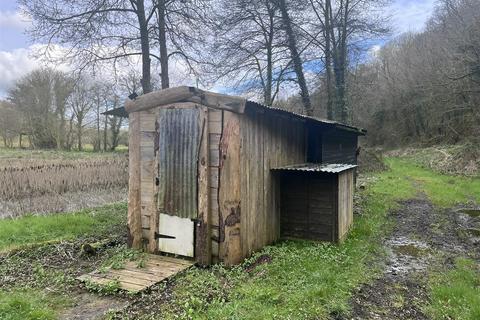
(134, 279)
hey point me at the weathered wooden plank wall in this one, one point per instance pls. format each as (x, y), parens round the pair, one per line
(339, 146)
(345, 202)
(308, 208)
(249, 201)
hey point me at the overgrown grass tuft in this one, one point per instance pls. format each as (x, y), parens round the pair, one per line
(442, 190)
(28, 304)
(455, 294)
(30, 230)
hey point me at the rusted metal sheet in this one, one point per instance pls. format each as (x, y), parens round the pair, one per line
(178, 143)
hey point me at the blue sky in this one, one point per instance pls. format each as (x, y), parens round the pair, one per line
(16, 47)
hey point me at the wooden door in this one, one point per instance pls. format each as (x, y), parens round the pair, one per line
(178, 145)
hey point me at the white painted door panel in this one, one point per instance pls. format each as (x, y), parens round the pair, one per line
(181, 229)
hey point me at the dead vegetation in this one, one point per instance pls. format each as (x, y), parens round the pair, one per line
(54, 185)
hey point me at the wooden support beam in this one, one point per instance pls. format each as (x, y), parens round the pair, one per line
(134, 221)
(168, 96)
(203, 243)
(230, 246)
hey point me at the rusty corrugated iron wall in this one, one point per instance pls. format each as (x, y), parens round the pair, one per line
(179, 138)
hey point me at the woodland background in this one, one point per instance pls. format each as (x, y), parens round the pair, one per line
(333, 59)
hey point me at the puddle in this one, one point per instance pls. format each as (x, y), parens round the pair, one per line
(471, 212)
(410, 250)
(406, 255)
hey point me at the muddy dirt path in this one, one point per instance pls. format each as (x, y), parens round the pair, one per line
(424, 238)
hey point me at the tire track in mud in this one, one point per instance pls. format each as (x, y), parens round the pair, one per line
(423, 238)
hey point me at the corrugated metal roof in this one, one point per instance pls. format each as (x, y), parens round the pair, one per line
(203, 95)
(317, 167)
(339, 125)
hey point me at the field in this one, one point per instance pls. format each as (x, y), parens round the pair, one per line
(412, 254)
(33, 182)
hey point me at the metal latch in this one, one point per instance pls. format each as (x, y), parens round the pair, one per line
(163, 236)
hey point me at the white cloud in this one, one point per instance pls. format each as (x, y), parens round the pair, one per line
(13, 65)
(411, 15)
(14, 20)
(18, 62)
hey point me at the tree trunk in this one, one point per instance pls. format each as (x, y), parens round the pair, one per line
(105, 126)
(162, 40)
(145, 45)
(269, 79)
(99, 139)
(328, 59)
(340, 67)
(79, 135)
(268, 83)
(297, 61)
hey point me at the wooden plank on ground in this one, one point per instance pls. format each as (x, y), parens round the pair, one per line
(135, 279)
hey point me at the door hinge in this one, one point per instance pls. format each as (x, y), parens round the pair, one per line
(163, 236)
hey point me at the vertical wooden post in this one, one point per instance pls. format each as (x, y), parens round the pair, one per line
(134, 222)
(230, 250)
(203, 242)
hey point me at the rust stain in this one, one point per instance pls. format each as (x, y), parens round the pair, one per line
(234, 217)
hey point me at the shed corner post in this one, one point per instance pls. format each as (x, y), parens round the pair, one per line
(203, 241)
(134, 223)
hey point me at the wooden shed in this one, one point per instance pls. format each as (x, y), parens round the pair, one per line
(215, 177)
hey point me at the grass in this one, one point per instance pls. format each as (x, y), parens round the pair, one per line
(455, 294)
(442, 190)
(305, 279)
(308, 280)
(29, 230)
(29, 304)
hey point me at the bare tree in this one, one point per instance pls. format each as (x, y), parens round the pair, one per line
(287, 25)
(181, 34)
(248, 49)
(80, 104)
(95, 31)
(347, 25)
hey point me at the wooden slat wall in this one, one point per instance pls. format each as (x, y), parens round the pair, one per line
(308, 208)
(215, 128)
(264, 141)
(345, 203)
